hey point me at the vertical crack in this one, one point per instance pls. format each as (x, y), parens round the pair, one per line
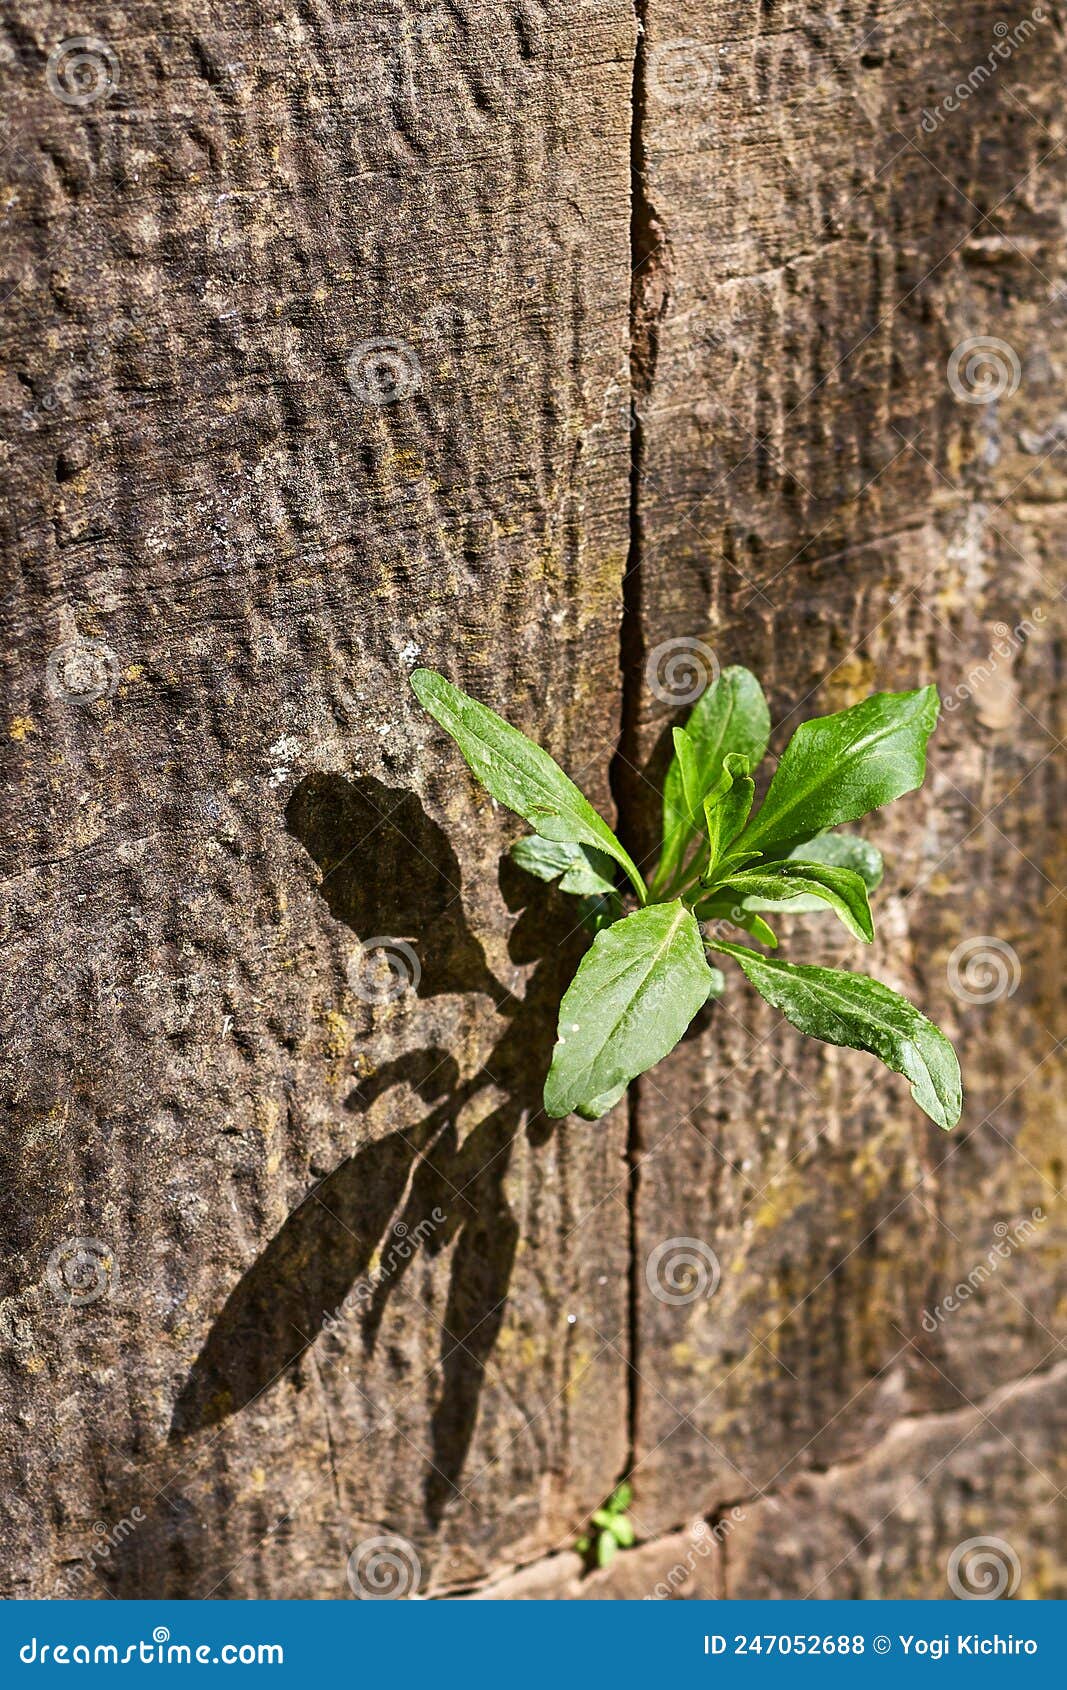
(647, 301)
(637, 822)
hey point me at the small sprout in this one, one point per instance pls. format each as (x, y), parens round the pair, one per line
(647, 972)
(609, 1530)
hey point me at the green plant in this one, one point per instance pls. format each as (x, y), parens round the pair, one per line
(647, 973)
(609, 1530)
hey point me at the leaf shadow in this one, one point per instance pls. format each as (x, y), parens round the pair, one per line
(343, 1254)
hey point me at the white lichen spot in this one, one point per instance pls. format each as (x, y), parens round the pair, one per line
(286, 750)
(410, 652)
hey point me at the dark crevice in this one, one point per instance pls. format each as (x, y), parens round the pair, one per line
(647, 300)
(636, 823)
(633, 1373)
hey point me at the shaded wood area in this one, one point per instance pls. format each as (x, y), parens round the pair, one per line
(525, 341)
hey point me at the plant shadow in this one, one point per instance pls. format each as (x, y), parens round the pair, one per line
(343, 1253)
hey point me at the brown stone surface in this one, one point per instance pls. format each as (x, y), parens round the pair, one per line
(208, 522)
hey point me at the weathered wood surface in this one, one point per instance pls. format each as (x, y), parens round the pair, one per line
(197, 479)
(819, 502)
(194, 481)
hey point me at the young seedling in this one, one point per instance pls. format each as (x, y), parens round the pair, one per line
(609, 1530)
(647, 973)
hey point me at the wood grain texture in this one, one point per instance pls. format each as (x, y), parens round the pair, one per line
(200, 479)
(319, 349)
(816, 500)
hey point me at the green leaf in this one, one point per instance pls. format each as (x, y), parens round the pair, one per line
(622, 1496)
(854, 1010)
(785, 882)
(606, 1549)
(716, 984)
(636, 991)
(836, 768)
(546, 858)
(844, 850)
(602, 1517)
(598, 1106)
(731, 862)
(727, 805)
(597, 913)
(731, 716)
(591, 875)
(724, 905)
(585, 870)
(519, 773)
(622, 1531)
